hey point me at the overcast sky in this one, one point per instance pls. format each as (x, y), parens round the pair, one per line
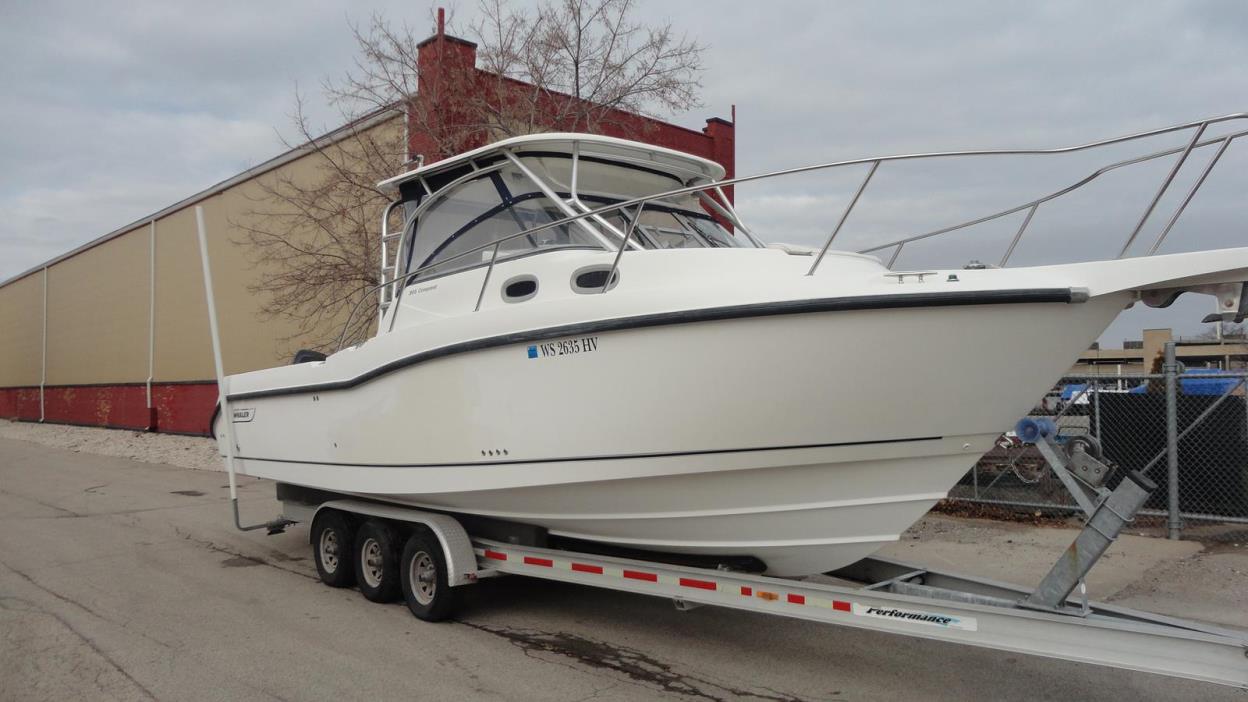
(114, 110)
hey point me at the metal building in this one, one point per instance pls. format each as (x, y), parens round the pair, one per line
(115, 332)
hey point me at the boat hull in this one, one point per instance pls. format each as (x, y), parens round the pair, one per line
(800, 511)
(805, 440)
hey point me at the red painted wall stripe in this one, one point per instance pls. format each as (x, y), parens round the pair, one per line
(495, 555)
(638, 575)
(531, 560)
(583, 568)
(700, 584)
(841, 606)
(797, 599)
(183, 408)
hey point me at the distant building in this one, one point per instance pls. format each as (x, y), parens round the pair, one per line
(115, 332)
(1140, 356)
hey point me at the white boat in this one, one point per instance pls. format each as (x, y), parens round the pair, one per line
(717, 397)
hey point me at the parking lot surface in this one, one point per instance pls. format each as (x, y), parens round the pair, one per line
(126, 580)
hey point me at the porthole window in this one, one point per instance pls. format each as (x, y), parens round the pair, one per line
(590, 279)
(520, 288)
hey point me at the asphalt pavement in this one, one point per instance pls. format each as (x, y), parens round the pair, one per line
(126, 580)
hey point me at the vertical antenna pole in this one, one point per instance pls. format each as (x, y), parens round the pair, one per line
(227, 420)
(275, 526)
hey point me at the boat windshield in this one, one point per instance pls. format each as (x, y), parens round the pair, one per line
(486, 209)
(665, 224)
(504, 201)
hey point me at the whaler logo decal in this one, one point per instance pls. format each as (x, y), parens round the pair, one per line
(243, 415)
(915, 617)
(564, 347)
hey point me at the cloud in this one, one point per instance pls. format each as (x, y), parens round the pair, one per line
(114, 111)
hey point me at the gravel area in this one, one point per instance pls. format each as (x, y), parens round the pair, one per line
(197, 452)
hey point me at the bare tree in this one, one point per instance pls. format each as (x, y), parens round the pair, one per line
(315, 237)
(574, 65)
(580, 66)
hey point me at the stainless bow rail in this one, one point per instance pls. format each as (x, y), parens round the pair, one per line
(711, 193)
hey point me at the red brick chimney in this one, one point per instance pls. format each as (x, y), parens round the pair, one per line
(723, 135)
(445, 65)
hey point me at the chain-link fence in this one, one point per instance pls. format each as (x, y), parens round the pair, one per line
(1186, 429)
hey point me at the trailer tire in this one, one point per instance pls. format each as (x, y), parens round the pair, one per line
(422, 572)
(377, 562)
(333, 539)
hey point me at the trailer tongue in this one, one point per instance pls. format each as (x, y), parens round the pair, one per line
(902, 599)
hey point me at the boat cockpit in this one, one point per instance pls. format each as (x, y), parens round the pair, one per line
(465, 212)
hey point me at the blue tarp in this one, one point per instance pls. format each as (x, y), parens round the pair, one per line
(1205, 386)
(1188, 385)
(1070, 391)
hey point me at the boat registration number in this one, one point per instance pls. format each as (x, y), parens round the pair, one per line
(564, 347)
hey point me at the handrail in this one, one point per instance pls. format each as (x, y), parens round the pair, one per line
(844, 216)
(1226, 141)
(1200, 126)
(1051, 196)
(382, 302)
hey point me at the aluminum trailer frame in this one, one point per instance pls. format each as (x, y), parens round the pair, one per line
(878, 595)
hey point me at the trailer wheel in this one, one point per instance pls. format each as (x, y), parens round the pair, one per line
(332, 538)
(377, 562)
(422, 571)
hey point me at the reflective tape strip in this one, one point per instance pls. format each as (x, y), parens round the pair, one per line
(792, 598)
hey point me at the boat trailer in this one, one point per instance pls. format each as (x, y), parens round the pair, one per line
(880, 594)
(877, 594)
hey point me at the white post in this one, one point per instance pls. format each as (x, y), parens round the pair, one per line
(43, 373)
(151, 312)
(227, 421)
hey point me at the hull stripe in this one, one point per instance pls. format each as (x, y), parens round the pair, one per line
(567, 459)
(573, 459)
(712, 314)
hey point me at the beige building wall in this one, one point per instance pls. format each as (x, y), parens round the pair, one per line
(21, 331)
(97, 313)
(183, 349)
(98, 306)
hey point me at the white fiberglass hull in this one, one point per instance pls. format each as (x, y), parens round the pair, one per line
(806, 437)
(800, 511)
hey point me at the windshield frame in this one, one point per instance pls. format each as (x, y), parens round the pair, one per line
(564, 201)
(505, 203)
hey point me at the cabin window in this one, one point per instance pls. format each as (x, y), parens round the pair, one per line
(482, 211)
